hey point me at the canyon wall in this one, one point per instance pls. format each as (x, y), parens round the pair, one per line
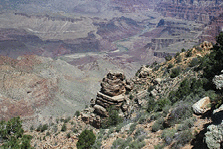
(195, 10)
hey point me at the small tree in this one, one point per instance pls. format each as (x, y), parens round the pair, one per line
(86, 139)
(175, 72)
(77, 113)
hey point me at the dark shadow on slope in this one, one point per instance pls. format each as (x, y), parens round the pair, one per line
(208, 114)
(217, 117)
(198, 142)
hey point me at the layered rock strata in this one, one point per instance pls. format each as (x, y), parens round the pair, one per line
(113, 88)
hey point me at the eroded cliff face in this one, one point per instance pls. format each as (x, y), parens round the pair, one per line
(22, 91)
(195, 10)
(212, 29)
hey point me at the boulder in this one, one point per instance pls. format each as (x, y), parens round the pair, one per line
(129, 85)
(214, 136)
(157, 81)
(126, 128)
(218, 81)
(100, 110)
(144, 72)
(85, 118)
(201, 106)
(154, 92)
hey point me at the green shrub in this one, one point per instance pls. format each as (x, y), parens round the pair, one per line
(137, 144)
(67, 119)
(86, 139)
(194, 62)
(189, 88)
(68, 135)
(32, 128)
(175, 72)
(119, 144)
(77, 113)
(159, 146)
(140, 134)
(74, 129)
(156, 67)
(132, 128)
(198, 48)
(189, 53)
(166, 109)
(159, 105)
(113, 118)
(119, 127)
(55, 128)
(154, 64)
(168, 58)
(64, 127)
(178, 59)
(158, 125)
(186, 124)
(177, 54)
(39, 127)
(143, 119)
(155, 116)
(47, 133)
(150, 88)
(168, 135)
(170, 65)
(183, 50)
(182, 138)
(44, 127)
(97, 144)
(181, 112)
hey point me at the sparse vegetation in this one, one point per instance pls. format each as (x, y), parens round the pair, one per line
(64, 127)
(194, 62)
(182, 111)
(168, 58)
(42, 128)
(158, 125)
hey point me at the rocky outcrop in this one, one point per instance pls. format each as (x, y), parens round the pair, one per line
(212, 29)
(214, 136)
(113, 87)
(201, 106)
(218, 81)
(144, 72)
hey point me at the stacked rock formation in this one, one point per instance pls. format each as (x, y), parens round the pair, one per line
(113, 86)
